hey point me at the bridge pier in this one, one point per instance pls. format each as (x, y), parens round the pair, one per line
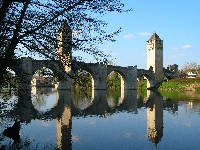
(25, 74)
(130, 100)
(64, 84)
(130, 80)
(99, 75)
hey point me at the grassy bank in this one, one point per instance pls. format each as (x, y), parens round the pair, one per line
(183, 96)
(181, 84)
(175, 85)
(179, 89)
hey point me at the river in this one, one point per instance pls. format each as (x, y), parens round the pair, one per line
(99, 119)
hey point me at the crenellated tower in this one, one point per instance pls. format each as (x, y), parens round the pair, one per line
(155, 58)
(65, 46)
(65, 55)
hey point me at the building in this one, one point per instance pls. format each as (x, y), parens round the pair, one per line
(191, 74)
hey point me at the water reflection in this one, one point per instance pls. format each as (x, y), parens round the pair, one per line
(99, 106)
(82, 99)
(154, 116)
(103, 105)
(8, 100)
(59, 117)
(44, 99)
(64, 121)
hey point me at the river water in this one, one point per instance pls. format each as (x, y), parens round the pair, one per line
(104, 120)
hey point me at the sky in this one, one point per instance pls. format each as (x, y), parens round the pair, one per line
(177, 22)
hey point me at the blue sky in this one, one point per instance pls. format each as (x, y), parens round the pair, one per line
(177, 22)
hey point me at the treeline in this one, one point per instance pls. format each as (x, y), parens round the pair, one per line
(191, 67)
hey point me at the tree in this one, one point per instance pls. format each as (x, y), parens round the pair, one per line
(191, 67)
(31, 26)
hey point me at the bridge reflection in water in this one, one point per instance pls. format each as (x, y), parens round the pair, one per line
(100, 105)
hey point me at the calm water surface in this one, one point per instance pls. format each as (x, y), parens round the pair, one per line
(98, 120)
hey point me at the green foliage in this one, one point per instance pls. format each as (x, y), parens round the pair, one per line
(79, 94)
(171, 86)
(82, 81)
(115, 94)
(174, 95)
(10, 81)
(198, 89)
(142, 84)
(142, 88)
(182, 96)
(180, 84)
(114, 81)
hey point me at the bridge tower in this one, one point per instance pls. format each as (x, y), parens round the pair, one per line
(65, 54)
(155, 59)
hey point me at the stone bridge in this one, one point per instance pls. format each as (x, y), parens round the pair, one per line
(99, 72)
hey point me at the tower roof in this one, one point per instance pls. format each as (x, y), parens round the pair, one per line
(154, 37)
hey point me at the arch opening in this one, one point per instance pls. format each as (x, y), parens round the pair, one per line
(43, 89)
(114, 98)
(82, 80)
(144, 82)
(115, 89)
(82, 99)
(82, 90)
(114, 81)
(44, 77)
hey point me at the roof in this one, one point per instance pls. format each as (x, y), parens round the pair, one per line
(154, 37)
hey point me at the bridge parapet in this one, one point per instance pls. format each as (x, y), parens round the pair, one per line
(170, 74)
(147, 73)
(150, 76)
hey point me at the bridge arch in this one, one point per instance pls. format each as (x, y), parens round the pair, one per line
(150, 81)
(122, 77)
(128, 74)
(44, 77)
(149, 76)
(98, 74)
(83, 78)
(64, 81)
(38, 64)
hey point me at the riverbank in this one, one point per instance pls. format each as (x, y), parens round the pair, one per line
(191, 85)
(181, 85)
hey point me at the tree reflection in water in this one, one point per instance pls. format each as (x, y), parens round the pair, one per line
(68, 106)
